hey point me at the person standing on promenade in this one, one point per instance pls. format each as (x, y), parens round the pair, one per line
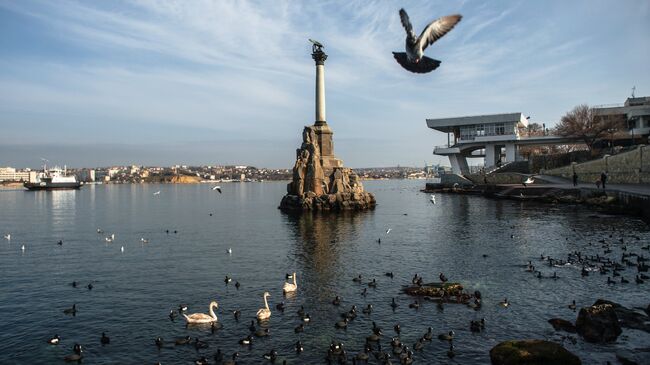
(603, 178)
(575, 179)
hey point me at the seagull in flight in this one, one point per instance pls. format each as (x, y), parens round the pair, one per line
(8, 237)
(413, 59)
(217, 188)
(433, 199)
(157, 193)
(388, 230)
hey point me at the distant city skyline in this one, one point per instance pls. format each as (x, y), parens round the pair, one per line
(203, 83)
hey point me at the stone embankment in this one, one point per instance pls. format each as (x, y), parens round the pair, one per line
(632, 167)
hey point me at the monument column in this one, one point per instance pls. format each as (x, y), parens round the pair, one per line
(320, 57)
(323, 131)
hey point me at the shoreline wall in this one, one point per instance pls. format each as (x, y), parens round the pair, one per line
(632, 167)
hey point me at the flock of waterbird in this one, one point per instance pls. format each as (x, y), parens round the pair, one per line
(397, 352)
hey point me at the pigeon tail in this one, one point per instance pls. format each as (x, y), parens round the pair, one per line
(425, 65)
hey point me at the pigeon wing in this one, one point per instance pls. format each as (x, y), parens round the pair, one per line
(437, 29)
(406, 23)
(425, 65)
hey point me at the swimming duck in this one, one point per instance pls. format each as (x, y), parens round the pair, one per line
(233, 359)
(248, 340)
(418, 345)
(227, 279)
(336, 301)
(572, 306)
(367, 309)
(624, 280)
(90, 286)
(183, 340)
(429, 335)
(389, 274)
(638, 280)
(198, 344)
(363, 355)
(105, 340)
(375, 329)
(373, 338)
(76, 356)
(159, 342)
(172, 315)
(393, 304)
(280, 307)
(306, 318)
(299, 347)
(343, 324)
(450, 352)
(610, 281)
(373, 283)
(271, 355)
(504, 303)
(357, 279)
(54, 340)
(252, 327)
(446, 337)
(299, 328)
(237, 285)
(364, 292)
(237, 314)
(443, 278)
(201, 361)
(301, 311)
(414, 305)
(72, 310)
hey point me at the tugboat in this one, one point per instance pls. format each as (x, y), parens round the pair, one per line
(53, 179)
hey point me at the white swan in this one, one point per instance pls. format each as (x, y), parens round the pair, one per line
(288, 287)
(202, 317)
(264, 313)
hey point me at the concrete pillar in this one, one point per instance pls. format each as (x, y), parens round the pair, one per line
(459, 164)
(490, 156)
(510, 152)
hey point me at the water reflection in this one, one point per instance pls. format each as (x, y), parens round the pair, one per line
(320, 241)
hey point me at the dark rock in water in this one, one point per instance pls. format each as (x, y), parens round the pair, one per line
(532, 352)
(562, 325)
(598, 323)
(628, 318)
(435, 289)
(626, 358)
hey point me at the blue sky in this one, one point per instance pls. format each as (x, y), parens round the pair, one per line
(98, 83)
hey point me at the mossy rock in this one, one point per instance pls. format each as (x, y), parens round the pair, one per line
(434, 289)
(532, 352)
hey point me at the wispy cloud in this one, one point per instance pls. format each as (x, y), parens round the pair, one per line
(238, 70)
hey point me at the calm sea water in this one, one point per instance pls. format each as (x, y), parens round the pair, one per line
(134, 290)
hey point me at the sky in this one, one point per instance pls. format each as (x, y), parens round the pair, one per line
(148, 82)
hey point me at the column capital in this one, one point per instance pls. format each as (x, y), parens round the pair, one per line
(319, 56)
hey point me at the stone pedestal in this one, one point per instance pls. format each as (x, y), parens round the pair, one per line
(315, 187)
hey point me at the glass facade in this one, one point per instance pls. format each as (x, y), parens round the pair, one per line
(469, 132)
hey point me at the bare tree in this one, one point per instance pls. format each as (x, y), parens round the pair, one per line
(583, 123)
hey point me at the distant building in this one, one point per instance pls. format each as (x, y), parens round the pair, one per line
(495, 137)
(635, 111)
(11, 174)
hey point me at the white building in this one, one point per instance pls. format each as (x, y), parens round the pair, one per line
(11, 174)
(495, 137)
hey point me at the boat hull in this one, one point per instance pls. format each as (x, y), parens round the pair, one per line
(53, 186)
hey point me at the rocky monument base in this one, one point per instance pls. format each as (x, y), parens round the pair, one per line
(318, 188)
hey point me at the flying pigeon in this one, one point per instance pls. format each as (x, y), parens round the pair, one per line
(217, 188)
(413, 59)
